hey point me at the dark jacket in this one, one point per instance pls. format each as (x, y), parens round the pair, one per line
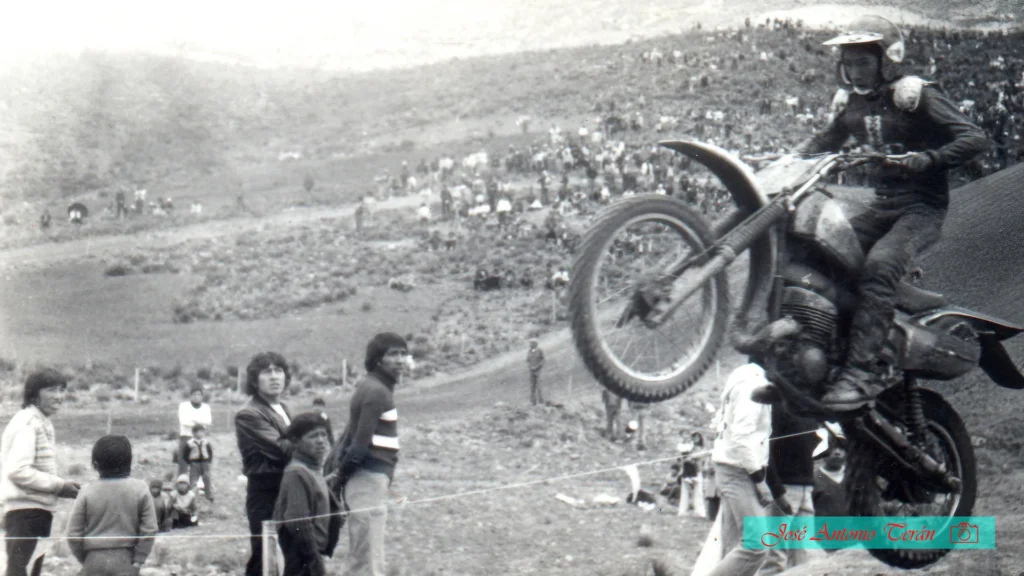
(913, 114)
(303, 496)
(261, 442)
(792, 444)
(370, 440)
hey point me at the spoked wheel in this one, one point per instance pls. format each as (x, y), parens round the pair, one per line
(624, 268)
(874, 488)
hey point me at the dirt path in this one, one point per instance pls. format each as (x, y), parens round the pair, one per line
(55, 252)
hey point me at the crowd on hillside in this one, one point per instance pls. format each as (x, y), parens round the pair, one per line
(574, 169)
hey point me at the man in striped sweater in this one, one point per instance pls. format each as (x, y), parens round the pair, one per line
(364, 459)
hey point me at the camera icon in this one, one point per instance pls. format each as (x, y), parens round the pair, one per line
(963, 533)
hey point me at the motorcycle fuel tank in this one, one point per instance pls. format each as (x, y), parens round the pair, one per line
(821, 222)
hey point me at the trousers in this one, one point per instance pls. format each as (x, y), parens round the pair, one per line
(24, 528)
(260, 497)
(893, 232)
(366, 491)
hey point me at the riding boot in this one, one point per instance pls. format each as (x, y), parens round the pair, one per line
(859, 381)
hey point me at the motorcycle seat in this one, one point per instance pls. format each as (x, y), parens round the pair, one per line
(913, 300)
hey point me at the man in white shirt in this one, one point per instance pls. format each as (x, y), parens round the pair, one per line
(740, 455)
(191, 412)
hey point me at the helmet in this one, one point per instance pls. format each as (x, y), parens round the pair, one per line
(878, 31)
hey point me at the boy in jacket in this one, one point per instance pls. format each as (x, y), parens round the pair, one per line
(306, 511)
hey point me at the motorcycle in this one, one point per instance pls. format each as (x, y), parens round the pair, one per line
(649, 324)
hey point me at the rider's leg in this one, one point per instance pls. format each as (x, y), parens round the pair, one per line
(887, 263)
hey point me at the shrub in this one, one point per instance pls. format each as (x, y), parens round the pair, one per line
(203, 373)
(367, 306)
(117, 270)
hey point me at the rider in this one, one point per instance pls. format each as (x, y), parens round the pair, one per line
(889, 112)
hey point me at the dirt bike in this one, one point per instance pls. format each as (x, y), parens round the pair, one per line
(649, 324)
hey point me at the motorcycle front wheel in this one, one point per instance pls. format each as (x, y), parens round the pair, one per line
(632, 247)
(872, 492)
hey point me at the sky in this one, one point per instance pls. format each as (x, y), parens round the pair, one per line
(264, 33)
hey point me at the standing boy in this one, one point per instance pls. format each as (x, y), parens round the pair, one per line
(191, 412)
(200, 460)
(306, 512)
(113, 522)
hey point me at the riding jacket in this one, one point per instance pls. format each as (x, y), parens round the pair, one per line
(906, 115)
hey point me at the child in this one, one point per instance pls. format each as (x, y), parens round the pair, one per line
(183, 504)
(161, 503)
(113, 520)
(200, 459)
(306, 511)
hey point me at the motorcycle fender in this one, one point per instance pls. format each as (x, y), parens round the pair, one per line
(736, 176)
(996, 362)
(983, 323)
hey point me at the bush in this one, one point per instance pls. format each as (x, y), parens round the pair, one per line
(367, 306)
(117, 270)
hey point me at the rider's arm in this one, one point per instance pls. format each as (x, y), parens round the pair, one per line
(835, 134)
(965, 140)
(829, 139)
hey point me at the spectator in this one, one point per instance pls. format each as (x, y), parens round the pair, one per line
(360, 216)
(612, 409)
(689, 476)
(191, 412)
(260, 427)
(740, 455)
(113, 522)
(30, 486)
(306, 510)
(45, 219)
(200, 460)
(791, 470)
(161, 504)
(364, 459)
(829, 494)
(184, 508)
(535, 361)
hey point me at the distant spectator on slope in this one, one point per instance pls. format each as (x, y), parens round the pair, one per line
(535, 362)
(30, 486)
(260, 427)
(191, 412)
(113, 521)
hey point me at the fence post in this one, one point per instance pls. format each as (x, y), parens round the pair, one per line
(344, 372)
(240, 381)
(136, 384)
(268, 549)
(110, 418)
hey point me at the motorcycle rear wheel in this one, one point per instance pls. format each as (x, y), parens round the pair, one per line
(863, 483)
(608, 267)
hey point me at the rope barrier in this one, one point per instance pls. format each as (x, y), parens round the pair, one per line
(429, 500)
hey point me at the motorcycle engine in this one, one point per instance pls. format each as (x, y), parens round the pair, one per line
(818, 317)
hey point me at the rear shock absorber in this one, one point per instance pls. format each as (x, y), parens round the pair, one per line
(913, 412)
